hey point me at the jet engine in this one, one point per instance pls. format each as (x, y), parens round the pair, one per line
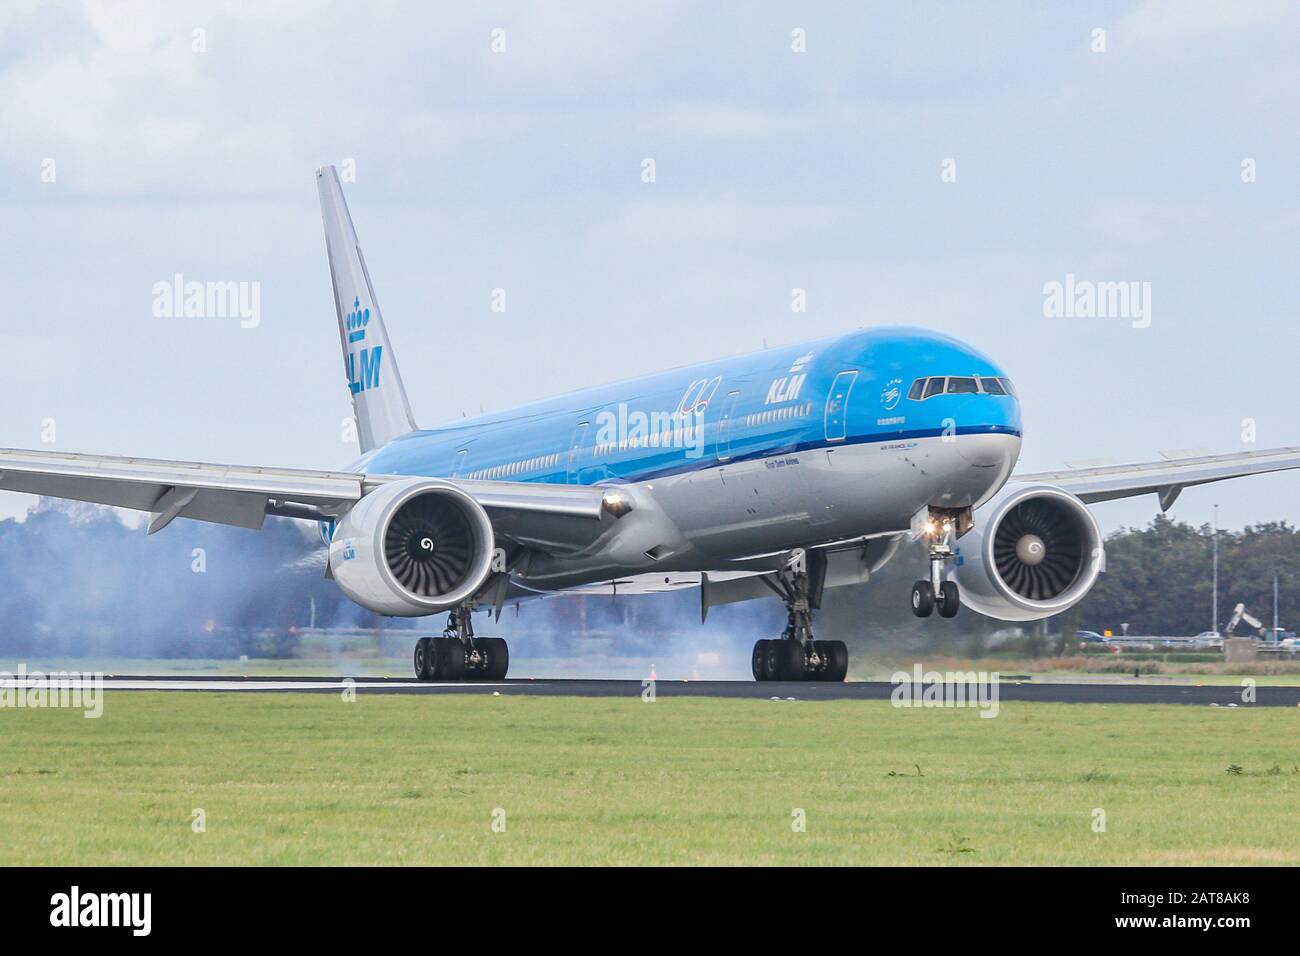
(412, 547)
(1034, 551)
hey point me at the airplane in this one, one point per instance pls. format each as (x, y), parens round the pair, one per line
(781, 474)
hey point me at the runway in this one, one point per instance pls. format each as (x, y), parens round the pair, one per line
(1008, 690)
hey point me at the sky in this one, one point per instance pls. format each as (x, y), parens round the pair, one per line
(929, 164)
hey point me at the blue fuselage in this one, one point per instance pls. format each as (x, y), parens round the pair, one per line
(848, 390)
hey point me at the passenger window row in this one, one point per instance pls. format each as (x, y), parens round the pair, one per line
(655, 439)
(924, 388)
(779, 414)
(516, 467)
(670, 437)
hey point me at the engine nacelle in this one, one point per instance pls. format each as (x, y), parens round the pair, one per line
(1034, 551)
(412, 547)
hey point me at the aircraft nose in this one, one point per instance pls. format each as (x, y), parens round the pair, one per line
(990, 450)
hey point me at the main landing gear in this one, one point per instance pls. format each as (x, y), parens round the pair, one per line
(937, 592)
(459, 655)
(795, 655)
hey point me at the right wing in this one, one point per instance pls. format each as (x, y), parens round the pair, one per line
(1166, 478)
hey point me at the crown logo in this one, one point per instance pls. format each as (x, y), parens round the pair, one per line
(356, 321)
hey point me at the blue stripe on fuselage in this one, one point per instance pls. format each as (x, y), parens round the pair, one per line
(774, 402)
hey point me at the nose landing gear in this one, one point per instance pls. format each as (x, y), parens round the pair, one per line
(937, 591)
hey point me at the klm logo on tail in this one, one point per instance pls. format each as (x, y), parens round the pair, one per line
(363, 363)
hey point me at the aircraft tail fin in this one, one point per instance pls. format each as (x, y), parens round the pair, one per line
(378, 398)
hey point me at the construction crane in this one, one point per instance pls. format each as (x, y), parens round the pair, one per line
(1239, 614)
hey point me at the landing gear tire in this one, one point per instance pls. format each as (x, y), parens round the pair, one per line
(459, 655)
(498, 657)
(795, 655)
(771, 663)
(423, 659)
(838, 669)
(835, 657)
(790, 663)
(784, 659)
(922, 598)
(936, 589)
(949, 599)
(449, 659)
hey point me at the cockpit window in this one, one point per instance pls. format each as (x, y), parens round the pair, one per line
(962, 386)
(933, 385)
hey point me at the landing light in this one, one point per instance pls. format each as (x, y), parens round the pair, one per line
(933, 527)
(616, 503)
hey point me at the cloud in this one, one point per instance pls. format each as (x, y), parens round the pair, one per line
(1180, 20)
(521, 171)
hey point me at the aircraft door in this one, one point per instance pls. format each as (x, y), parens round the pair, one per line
(837, 405)
(575, 450)
(723, 442)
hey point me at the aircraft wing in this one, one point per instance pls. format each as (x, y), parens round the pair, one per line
(565, 516)
(1165, 478)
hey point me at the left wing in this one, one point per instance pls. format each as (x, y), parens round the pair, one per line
(1167, 478)
(543, 516)
(225, 494)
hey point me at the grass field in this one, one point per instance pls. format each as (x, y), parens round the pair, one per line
(290, 779)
